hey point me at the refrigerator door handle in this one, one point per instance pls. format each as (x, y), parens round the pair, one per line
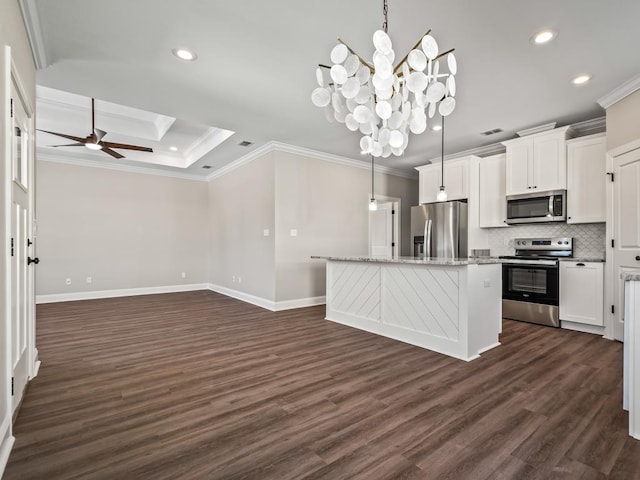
(427, 238)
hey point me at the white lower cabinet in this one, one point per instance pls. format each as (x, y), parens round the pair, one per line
(582, 292)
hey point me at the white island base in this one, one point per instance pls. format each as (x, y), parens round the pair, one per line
(451, 307)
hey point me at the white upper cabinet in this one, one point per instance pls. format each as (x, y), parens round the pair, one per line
(492, 200)
(586, 179)
(537, 162)
(456, 180)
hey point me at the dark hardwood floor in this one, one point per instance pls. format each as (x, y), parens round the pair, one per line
(200, 386)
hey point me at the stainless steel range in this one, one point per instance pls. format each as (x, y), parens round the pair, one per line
(530, 279)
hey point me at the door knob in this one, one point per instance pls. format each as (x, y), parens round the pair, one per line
(33, 260)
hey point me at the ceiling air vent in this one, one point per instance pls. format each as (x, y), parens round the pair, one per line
(206, 167)
(245, 143)
(492, 132)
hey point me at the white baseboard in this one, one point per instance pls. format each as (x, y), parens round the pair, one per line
(245, 297)
(582, 327)
(128, 292)
(268, 304)
(124, 292)
(5, 451)
(300, 303)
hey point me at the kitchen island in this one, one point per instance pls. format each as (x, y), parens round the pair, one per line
(450, 306)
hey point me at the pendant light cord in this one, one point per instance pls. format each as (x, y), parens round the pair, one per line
(372, 195)
(442, 158)
(385, 11)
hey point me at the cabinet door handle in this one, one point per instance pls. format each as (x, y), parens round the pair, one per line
(638, 258)
(580, 264)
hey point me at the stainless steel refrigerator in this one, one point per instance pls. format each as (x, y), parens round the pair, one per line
(440, 230)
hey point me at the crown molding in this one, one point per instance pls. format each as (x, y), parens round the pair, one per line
(34, 32)
(588, 127)
(81, 161)
(623, 91)
(306, 152)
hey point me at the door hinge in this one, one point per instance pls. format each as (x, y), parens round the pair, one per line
(12, 246)
(393, 244)
(12, 387)
(613, 243)
(613, 309)
(393, 212)
(611, 175)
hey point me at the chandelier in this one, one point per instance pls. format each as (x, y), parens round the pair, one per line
(386, 103)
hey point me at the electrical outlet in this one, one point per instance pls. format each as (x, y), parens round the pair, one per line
(233, 279)
(487, 283)
(183, 274)
(89, 279)
(239, 279)
(293, 232)
(67, 281)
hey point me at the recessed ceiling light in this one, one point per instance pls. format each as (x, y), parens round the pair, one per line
(581, 79)
(173, 149)
(545, 36)
(184, 54)
(436, 128)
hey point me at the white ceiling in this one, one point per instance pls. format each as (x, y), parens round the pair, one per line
(256, 63)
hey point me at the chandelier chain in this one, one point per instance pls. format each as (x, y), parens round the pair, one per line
(385, 11)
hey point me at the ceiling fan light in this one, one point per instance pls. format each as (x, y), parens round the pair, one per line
(93, 146)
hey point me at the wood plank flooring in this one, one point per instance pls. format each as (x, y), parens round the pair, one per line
(200, 386)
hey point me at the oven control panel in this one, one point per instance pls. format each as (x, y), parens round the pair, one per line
(557, 243)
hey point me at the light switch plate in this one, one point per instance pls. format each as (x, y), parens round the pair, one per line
(265, 232)
(294, 232)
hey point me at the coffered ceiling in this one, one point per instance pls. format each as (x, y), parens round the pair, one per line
(256, 65)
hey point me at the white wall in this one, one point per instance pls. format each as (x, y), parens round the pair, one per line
(125, 230)
(623, 121)
(327, 203)
(241, 205)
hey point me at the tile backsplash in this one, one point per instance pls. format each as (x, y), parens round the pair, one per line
(588, 238)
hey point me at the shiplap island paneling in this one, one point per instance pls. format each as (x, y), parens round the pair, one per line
(452, 307)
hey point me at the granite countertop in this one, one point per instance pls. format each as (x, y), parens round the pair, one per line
(414, 260)
(583, 259)
(630, 277)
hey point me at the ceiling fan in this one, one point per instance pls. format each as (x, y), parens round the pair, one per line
(94, 141)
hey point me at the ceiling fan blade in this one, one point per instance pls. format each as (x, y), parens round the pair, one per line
(113, 153)
(98, 134)
(69, 145)
(69, 137)
(126, 146)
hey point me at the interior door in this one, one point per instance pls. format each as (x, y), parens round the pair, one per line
(21, 308)
(381, 231)
(626, 234)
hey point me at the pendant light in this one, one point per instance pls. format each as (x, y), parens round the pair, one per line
(375, 97)
(442, 194)
(373, 204)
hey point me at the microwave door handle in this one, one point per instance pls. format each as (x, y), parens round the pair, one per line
(551, 205)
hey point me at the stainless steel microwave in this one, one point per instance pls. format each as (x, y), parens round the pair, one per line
(537, 207)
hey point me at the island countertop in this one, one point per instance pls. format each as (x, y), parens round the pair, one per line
(414, 260)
